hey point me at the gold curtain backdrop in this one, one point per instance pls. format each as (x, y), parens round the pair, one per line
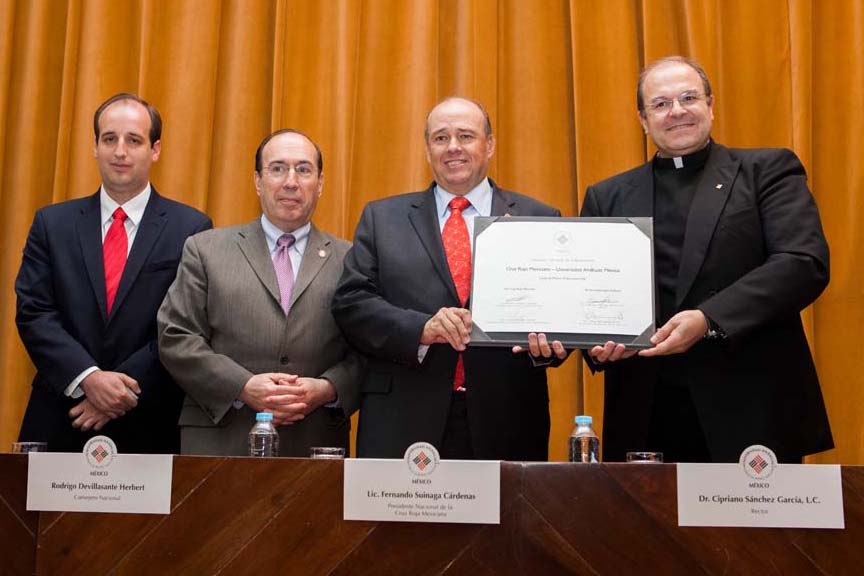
(359, 76)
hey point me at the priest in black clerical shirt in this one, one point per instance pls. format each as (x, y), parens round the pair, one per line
(738, 253)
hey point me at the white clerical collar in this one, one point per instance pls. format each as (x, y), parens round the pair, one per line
(693, 160)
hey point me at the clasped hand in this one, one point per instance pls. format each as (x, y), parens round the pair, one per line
(287, 396)
(113, 393)
(107, 395)
(86, 416)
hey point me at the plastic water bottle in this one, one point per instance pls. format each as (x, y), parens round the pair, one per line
(263, 438)
(584, 443)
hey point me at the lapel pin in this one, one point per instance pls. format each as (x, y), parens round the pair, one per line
(719, 186)
(322, 253)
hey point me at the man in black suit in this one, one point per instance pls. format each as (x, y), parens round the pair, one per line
(402, 300)
(738, 253)
(93, 275)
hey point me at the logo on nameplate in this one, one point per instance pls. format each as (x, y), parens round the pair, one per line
(422, 458)
(100, 451)
(758, 462)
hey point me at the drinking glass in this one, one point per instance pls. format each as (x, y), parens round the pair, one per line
(645, 457)
(26, 447)
(327, 452)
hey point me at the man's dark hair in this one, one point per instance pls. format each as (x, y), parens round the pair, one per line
(706, 85)
(487, 123)
(155, 119)
(267, 139)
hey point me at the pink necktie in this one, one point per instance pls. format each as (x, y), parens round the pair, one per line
(457, 246)
(114, 250)
(284, 270)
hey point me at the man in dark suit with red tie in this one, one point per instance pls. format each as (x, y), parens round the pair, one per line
(93, 275)
(403, 301)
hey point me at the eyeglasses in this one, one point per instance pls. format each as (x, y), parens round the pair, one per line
(663, 106)
(279, 172)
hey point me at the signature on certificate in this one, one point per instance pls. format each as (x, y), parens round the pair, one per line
(602, 311)
(516, 298)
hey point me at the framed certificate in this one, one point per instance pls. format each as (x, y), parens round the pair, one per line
(583, 281)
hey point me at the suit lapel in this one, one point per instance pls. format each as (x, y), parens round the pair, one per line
(89, 229)
(424, 218)
(708, 202)
(638, 202)
(149, 229)
(317, 254)
(503, 203)
(253, 245)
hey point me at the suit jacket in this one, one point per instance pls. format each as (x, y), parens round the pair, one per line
(62, 320)
(396, 277)
(221, 323)
(753, 257)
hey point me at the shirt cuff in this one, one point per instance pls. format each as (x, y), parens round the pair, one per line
(421, 352)
(74, 390)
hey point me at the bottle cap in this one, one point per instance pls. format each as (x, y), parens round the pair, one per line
(263, 417)
(584, 420)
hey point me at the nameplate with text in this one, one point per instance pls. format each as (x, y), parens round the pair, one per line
(100, 480)
(422, 488)
(760, 493)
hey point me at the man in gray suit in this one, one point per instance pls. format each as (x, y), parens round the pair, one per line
(246, 327)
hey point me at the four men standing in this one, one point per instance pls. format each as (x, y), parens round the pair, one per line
(247, 326)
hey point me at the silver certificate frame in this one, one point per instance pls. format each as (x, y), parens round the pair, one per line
(583, 281)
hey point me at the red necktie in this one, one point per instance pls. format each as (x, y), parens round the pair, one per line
(114, 250)
(457, 246)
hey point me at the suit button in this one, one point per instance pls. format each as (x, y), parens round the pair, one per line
(283, 360)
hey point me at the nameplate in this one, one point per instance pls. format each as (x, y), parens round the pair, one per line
(422, 488)
(757, 492)
(99, 480)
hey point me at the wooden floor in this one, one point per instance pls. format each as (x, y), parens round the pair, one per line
(248, 516)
